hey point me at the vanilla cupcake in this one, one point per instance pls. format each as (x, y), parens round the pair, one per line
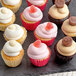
(7, 17)
(15, 32)
(65, 49)
(58, 13)
(14, 5)
(12, 53)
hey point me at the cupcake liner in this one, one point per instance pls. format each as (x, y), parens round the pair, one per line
(61, 58)
(42, 7)
(47, 42)
(58, 22)
(40, 62)
(30, 26)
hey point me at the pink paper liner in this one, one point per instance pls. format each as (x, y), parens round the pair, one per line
(41, 7)
(40, 63)
(29, 26)
(48, 43)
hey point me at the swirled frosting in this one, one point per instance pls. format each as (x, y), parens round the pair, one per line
(66, 51)
(36, 2)
(36, 16)
(42, 32)
(14, 32)
(12, 48)
(68, 29)
(59, 13)
(11, 2)
(38, 52)
(5, 15)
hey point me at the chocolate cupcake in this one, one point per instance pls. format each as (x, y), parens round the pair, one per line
(65, 49)
(67, 2)
(69, 27)
(58, 13)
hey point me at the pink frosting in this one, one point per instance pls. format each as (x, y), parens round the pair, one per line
(42, 32)
(37, 16)
(38, 53)
(36, 2)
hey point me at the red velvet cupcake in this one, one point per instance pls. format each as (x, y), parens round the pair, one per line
(31, 17)
(39, 53)
(46, 32)
(38, 3)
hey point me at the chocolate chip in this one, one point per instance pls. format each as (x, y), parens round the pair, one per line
(67, 41)
(72, 20)
(59, 3)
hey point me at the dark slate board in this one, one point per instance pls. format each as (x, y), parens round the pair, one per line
(26, 68)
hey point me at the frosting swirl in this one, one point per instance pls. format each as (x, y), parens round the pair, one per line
(12, 48)
(36, 16)
(36, 2)
(42, 32)
(4, 17)
(66, 51)
(11, 2)
(14, 32)
(59, 13)
(38, 52)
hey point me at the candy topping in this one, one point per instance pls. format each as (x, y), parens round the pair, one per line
(32, 9)
(59, 3)
(67, 41)
(37, 43)
(49, 26)
(4, 11)
(72, 20)
(12, 42)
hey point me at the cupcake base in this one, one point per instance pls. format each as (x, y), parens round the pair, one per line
(42, 7)
(66, 1)
(41, 62)
(61, 58)
(46, 41)
(12, 61)
(14, 8)
(29, 25)
(4, 26)
(58, 22)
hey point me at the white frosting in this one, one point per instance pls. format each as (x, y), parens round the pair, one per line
(42, 32)
(38, 53)
(14, 32)
(5, 15)
(12, 48)
(37, 16)
(11, 2)
(36, 2)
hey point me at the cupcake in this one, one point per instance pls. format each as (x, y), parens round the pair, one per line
(67, 2)
(14, 5)
(12, 53)
(38, 3)
(69, 27)
(15, 32)
(7, 17)
(58, 13)
(65, 49)
(31, 17)
(38, 53)
(46, 32)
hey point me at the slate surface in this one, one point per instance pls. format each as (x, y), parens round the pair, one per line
(26, 68)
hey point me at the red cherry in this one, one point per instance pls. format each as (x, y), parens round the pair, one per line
(49, 26)
(32, 9)
(37, 43)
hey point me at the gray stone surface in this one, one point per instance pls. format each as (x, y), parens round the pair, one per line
(26, 68)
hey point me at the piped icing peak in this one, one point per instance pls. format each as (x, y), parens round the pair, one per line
(72, 20)
(49, 26)
(59, 3)
(4, 11)
(37, 43)
(12, 43)
(32, 9)
(12, 27)
(67, 41)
